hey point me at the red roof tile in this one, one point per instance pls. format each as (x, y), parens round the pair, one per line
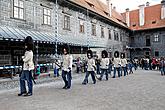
(101, 9)
(152, 18)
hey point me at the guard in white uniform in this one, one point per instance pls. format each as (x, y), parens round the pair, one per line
(104, 64)
(116, 64)
(123, 64)
(90, 68)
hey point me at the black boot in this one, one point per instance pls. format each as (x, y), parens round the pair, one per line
(100, 79)
(66, 85)
(85, 82)
(23, 93)
(28, 94)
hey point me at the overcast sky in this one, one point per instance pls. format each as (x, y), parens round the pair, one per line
(121, 5)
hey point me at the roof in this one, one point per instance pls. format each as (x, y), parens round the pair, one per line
(101, 9)
(152, 18)
(9, 33)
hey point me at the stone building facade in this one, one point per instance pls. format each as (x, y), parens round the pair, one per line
(147, 24)
(51, 25)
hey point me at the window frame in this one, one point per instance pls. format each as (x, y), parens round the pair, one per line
(109, 34)
(121, 36)
(156, 53)
(93, 29)
(116, 36)
(47, 15)
(102, 32)
(156, 38)
(81, 26)
(19, 8)
(66, 25)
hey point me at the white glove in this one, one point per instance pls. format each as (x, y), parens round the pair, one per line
(68, 70)
(23, 57)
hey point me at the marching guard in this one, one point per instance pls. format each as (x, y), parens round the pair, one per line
(116, 64)
(123, 64)
(90, 68)
(104, 64)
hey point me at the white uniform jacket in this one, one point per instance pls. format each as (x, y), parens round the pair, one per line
(90, 64)
(67, 62)
(104, 63)
(117, 62)
(28, 61)
(123, 62)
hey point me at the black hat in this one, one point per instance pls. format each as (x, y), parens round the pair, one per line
(29, 43)
(122, 55)
(104, 52)
(116, 54)
(90, 52)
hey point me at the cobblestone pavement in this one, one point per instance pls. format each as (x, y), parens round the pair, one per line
(143, 90)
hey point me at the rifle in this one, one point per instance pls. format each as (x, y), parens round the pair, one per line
(95, 72)
(58, 65)
(30, 75)
(33, 78)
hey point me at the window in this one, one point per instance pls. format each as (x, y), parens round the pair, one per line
(121, 37)
(47, 16)
(147, 53)
(18, 9)
(66, 22)
(156, 54)
(148, 41)
(134, 25)
(116, 36)
(94, 29)
(156, 38)
(109, 31)
(153, 22)
(81, 26)
(102, 32)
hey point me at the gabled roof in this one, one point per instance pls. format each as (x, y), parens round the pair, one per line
(152, 18)
(101, 9)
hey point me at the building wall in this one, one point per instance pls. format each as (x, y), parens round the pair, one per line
(140, 41)
(32, 17)
(33, 20)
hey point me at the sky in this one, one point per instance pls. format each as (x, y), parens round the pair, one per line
(121, 5)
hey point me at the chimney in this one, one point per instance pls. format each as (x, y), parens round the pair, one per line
(127, 17)
(114, 8)
(147, 4)
(109, 7)
(163, 9)
(141, 15)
